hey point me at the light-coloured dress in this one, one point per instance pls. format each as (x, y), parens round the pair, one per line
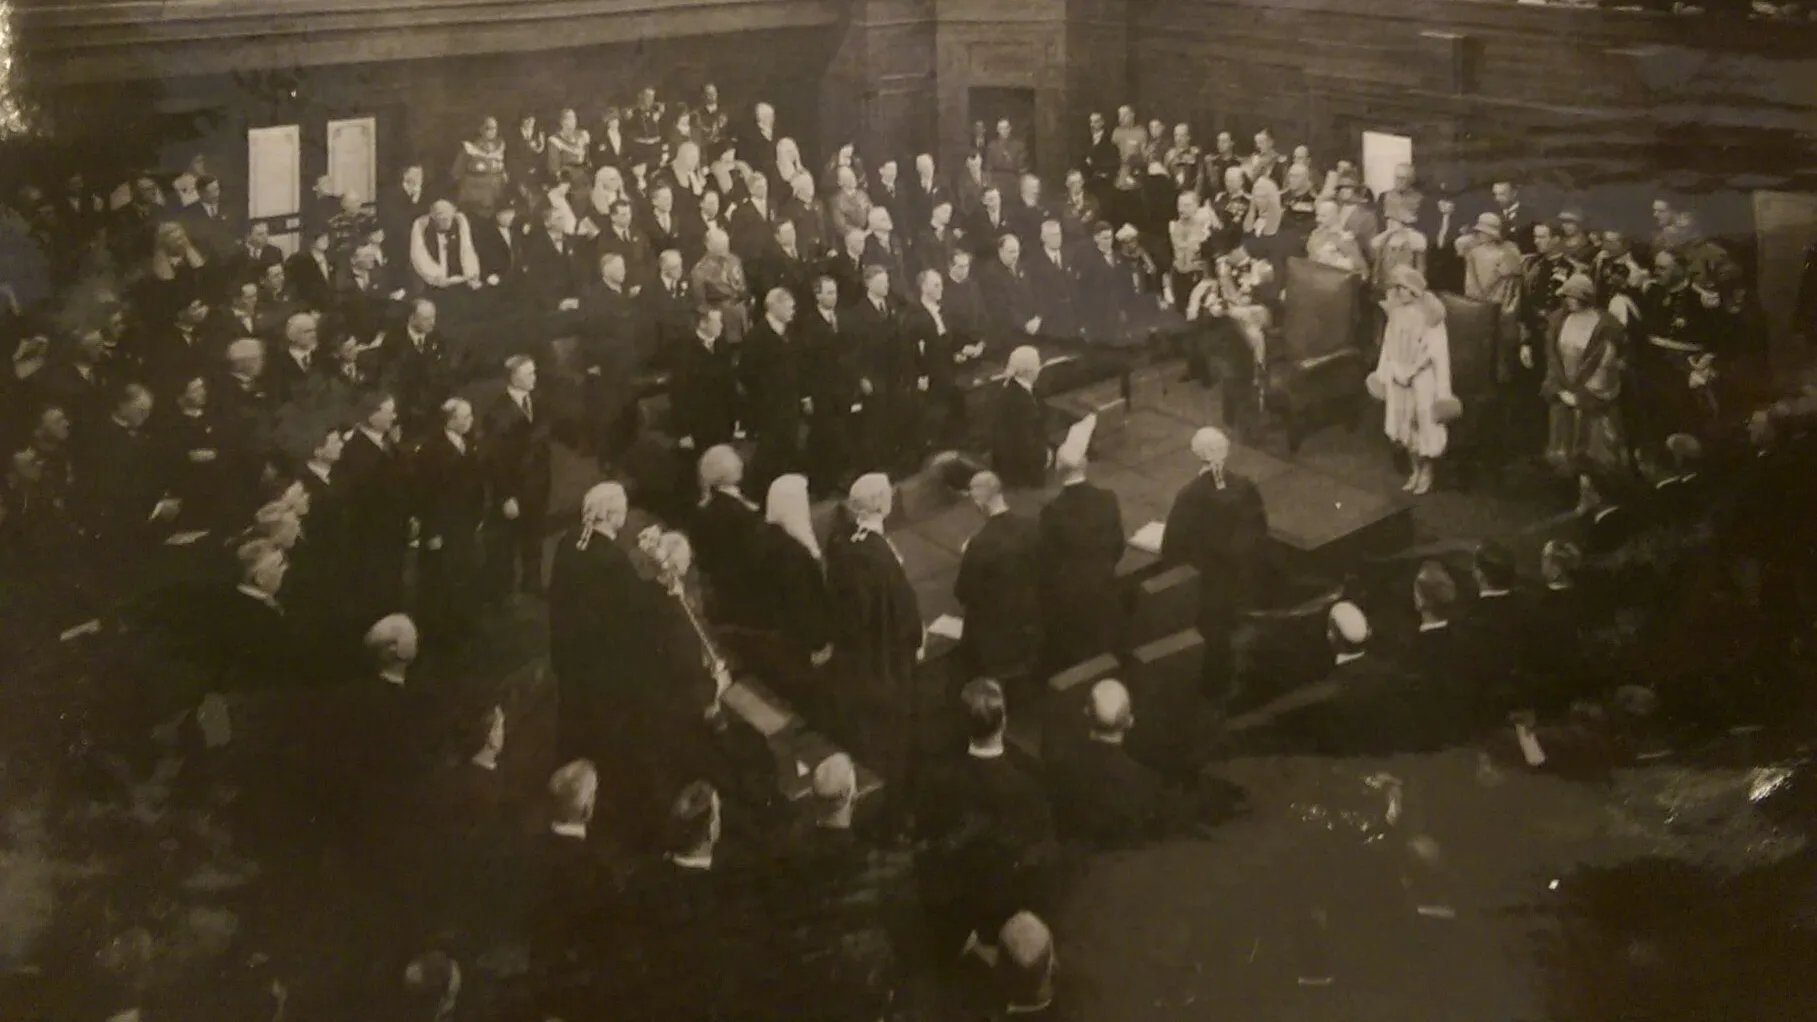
(1583, 359)
(1415, 373)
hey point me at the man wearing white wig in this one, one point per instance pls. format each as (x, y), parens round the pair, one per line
(1018, 447)
(1219, 526)
(596, 604)
(877, 627)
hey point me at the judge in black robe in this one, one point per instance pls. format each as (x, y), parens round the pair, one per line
(725, 530)
(791, 565)
(1218, 525)
(1081, 544)
(615, 341)
(1018, 444)
(877, 631)
(998, 588)
(378, 511)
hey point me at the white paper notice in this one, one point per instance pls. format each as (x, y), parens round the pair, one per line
(947, 626)
(1148, 538)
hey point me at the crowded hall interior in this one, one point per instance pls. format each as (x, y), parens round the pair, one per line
(857, 510)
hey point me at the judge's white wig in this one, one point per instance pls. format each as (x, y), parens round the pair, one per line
(603, 510)
(870, 495)
(720, 466)
(836, 779)
(1025, 362)
(1211, 446)
(389, 633)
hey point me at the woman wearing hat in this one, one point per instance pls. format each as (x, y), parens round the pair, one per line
(1412, 377)
(1582, 388)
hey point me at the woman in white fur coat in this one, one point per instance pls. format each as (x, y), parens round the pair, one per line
(1412, 379)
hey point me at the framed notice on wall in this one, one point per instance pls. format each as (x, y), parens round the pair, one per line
(274, 181)
(1382, 153)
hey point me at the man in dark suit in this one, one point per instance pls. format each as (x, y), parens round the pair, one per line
(1027, 211)
(125, 503)
(889, 194)
(250, 259)
(998, 588)
(1081, 544)
(986, 826)
(1103, 797)
(752, 222)
(669, 307)
(963, 301)
(832, 380)
(449, 478)
(365, 299)
(883, 247)
(1056, 283)
(294, 375)
(924, 193)
(937, 405)
(936, 239)
(1018, 446)
(417, 369)
(623, 239)
(498, 246)
(615, 341)
(183, 351)
(518, 446)
(310, 273)
(1489, 632)
(771, 368)
(241, 396)
(703, 397)
(316, 589)
(662, 226)
(400, 207)
(887, 364)
(1101, 158)
(1432, 650)
(239, 317)
(1009, 294)
(987, 225)
(551, 267)
(847, 267)
(378, 507)
(1555, 666)
(1218, 526)
(782, 265)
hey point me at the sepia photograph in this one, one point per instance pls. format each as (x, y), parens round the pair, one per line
(908, 511)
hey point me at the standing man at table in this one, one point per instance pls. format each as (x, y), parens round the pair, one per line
(1019, 451)
(1218, 525)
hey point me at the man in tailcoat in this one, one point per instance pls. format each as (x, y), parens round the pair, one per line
(1081, 544)
(999, 590)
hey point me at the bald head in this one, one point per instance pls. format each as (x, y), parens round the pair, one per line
(392, 640)
(986, 489)
(1109, 710)
(1347, 627)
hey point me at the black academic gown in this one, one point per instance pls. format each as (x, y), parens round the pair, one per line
(1019, 452)
(998, 588)
(877, 633)
(1103, 798)
(1081, 606)
(597, 612)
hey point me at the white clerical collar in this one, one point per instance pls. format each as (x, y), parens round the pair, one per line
(869, 523)
(1558, 587)
(1433, 626)
(1491, 594)
(698, 862)
(394, 675)
(260, 595)
(577, 831)
(459, 442)
(992, 751)
(1344, 658)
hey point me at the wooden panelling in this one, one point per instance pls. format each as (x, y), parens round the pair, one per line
(115, 40)
(1577, 99)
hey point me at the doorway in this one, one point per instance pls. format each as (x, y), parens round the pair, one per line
(990, 105)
